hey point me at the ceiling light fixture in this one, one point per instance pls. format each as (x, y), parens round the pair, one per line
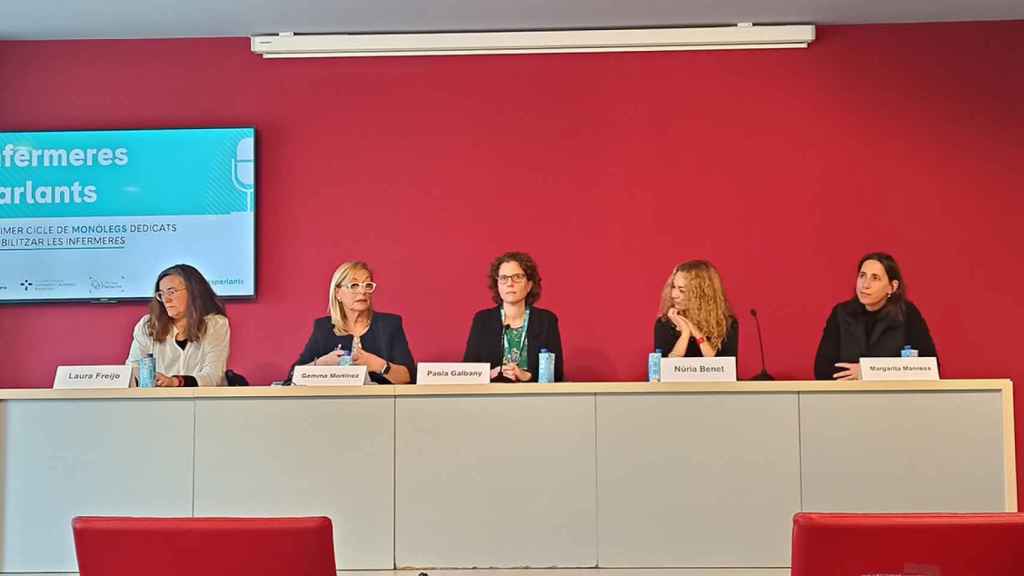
(741, 37)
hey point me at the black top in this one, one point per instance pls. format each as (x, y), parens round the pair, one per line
(852, 332)
(385, 338)
(485, 342)
(186, 380)
(666, 335)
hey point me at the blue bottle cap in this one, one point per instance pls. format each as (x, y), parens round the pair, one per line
(657, 350)
(543, 350)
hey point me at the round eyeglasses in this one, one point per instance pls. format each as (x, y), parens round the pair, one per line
(163, 295)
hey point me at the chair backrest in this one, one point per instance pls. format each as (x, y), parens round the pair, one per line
(908, 544)
(120, 546)
(235, 379)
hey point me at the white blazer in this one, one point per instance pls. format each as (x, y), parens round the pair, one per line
(206, 359)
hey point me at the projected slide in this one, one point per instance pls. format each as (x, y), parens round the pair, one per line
(97, 215)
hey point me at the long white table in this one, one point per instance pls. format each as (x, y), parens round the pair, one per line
(611, 475)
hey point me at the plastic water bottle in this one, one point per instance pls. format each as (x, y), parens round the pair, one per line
(546, 364)
(908, 352)
(345, 359)
(654, 366)
(147, 371)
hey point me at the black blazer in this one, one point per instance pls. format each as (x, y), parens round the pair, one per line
(852, 332)
(485, 340)
(385, 338)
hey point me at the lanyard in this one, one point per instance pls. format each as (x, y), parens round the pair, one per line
(514, 355)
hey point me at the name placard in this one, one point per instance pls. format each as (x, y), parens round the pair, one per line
(111, 376)
(330, 376)
(923, 368)
(453, 373)
(714, 369)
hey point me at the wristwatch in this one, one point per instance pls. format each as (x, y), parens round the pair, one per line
(386, 369)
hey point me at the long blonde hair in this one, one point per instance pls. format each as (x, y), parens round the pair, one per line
(336, 310)
(706, 304)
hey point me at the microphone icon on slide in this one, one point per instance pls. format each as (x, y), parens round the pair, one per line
(243, 168)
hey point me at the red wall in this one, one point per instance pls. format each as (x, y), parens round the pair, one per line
(782, 167)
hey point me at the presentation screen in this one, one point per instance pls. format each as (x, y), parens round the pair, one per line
(97, 215)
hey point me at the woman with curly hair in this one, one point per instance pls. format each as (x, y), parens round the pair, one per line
(510, 336)
(695, 318)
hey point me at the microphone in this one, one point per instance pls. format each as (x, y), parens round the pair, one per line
(501, 354)
(504, 334)
(763, 374)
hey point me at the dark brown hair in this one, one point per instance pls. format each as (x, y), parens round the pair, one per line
(894, 305)
(529, 268)
(202, 301)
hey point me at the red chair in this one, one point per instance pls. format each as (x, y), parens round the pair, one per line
(118, 546)
(908, 544)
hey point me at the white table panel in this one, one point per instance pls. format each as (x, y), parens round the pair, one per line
(697, 480)
(495, 481)
(932, 451)
(303, 457)
(66, 458)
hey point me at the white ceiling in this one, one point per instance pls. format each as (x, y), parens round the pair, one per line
(51, 19)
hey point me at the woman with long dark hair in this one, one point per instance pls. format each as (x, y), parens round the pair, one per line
(877, 322)
(186, 330)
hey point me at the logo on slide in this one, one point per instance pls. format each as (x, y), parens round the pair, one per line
(243, 167)
(105, 285)
(26, 285)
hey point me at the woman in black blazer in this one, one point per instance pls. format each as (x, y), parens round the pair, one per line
(375, 339)
(510, 336)
(877, 322)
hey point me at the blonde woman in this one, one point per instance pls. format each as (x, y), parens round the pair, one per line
(695, 318)
(375, 339)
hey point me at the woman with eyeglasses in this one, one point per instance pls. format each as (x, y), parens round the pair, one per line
(510, 336)
(695, 318)
(374, 339)
(186, 331)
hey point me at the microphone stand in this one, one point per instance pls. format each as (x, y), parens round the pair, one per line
(763, 374)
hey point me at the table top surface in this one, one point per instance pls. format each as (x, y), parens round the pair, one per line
(563, 388)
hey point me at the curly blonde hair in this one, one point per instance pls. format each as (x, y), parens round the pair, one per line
(706, 304)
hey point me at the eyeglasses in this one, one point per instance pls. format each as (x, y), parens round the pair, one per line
(366, 287)
(163, 295)
(514, 278)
